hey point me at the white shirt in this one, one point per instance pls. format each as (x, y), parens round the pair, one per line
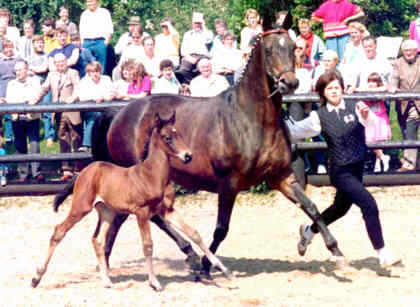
(311, 126)
(223, 57)
(95, 24)
(165, 86)
(152, 65)
(90, 90)
(124, 41)
(22, 92)
(367, 66)
(305, 80)
(195, 42)
(208, 87)
(247, 34)
(166, 47)
(132, 52)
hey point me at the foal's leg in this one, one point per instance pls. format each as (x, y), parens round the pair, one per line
(77, 212)
(293, 191)
(106, 216)
(146, 237)
(175, 220)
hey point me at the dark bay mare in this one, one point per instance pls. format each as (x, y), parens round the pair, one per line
(239, 139)
(138, 190)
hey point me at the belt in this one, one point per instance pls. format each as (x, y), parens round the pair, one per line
(94, 39)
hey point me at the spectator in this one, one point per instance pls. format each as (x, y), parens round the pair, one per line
(64, 85)
(406, 78)
(221, 29)
(38, 66)
(195, 45)
(227, 59)
(381, 130)
(50, 39)
(120, 86)
(253, 27)
(64, 21)
(167, 42)
(126, 39)
(167, 83)
(3, 167)
(335, 15)
(25, 46)
(96, 30)
(315, 46)
(141, 84)
(8, 59)
(415, 26)
(98, 88)
(304, 67)
(72, 52)
(12, 33)
(280, 17)
(207, 84)
(149, 59)
(3, 29)
(25, 126)
(329, 62)
(85, 56)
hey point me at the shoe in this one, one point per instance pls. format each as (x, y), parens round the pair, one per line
(304, 240)
(321, 169)
(3, 180)
(23, 179)
(40, 178)
(403, 169)
(50, 142)
(83, 149)
(389, 261)
(385, 160)
(377, 168)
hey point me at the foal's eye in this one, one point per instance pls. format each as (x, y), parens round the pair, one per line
(168, 140)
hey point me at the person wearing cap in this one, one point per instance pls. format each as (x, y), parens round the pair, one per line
(167, 42)
(406, 77)
(126, 39)
(195, 46)
(96, 30)
(207, 84)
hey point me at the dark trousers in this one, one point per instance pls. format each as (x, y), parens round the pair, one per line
(350, 190)
(69, 136)
(27, 130)
(187, 71)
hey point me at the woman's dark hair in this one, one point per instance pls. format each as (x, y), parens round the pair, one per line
(325, 79)
(166, 63)
(375, 77)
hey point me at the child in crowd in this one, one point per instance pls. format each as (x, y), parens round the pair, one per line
(381, 131)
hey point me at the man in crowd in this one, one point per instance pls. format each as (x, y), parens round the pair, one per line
(207, 84)
(50, 40)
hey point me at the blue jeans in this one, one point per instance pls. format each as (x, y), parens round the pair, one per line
(3, 167)
(338, 44)
(49, 131)
(98, 49)
(88, 121)
(8, 130)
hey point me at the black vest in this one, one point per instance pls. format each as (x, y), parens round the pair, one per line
(344, 134)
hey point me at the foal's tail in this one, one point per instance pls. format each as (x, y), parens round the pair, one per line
(61, 197)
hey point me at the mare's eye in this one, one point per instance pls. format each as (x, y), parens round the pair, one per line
(168, 140)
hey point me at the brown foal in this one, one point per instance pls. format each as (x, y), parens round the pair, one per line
(139, 190)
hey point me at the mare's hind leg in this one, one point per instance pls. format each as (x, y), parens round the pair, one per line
(175, 220)
(292, 190)
(106, 216)
(77, 212)
(146, 237)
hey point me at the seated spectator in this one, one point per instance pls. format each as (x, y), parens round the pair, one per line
(315, 45)
(381, 130)
(167, 42)
(25, 47)
(3, 29)
(304, 68)
(207, 84)
(329, 62)
(64, 21)
(64, 85)
(141, 84)
(72, 52)
(221, 29)
(85, 56)
(405, 77)
(149, 58)
(253, 28)
(227, 59)
(127, 38)
(167, 83)
(98, 88)
(12, 33)
(195, 45)
(120, 86)
(25, 126)
(50, 39)
(280, 17)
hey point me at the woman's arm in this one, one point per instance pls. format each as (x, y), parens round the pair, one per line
(305, 128)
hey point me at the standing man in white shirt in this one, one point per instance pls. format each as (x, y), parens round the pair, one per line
(96, 30)
(195, 45)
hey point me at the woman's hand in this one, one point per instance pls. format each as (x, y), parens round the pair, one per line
(363, 109)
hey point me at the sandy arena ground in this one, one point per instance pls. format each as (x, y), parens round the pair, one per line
(260, 249)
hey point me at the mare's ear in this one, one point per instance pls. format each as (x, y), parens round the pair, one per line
(288, 21)
(172, 119)
(158, 121)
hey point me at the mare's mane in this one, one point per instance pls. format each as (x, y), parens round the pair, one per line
(256, 40)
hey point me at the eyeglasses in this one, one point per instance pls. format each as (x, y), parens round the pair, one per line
(300, 48)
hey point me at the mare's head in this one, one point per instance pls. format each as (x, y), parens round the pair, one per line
(170, 140)
(280, 58)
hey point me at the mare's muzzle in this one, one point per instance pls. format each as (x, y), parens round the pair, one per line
(187, 157)
(287, 83)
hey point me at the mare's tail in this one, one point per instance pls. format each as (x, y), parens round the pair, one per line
(100, 150)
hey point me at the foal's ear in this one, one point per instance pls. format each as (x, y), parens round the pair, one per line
(172, 119)
(158, 121)
(288, 21)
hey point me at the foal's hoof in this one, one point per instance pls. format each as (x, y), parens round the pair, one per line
(228, 274)
(155, 285)
(340, 262)
(193, 262)
(35, 282)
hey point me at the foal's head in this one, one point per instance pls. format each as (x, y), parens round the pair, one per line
(169, 140)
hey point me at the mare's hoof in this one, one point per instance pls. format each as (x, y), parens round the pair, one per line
(228, 274)
(193, 262)
(35, 282)
(156, 286)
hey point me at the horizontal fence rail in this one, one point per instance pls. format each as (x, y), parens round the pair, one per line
(53, 187)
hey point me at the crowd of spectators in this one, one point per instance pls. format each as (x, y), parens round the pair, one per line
(69, 61)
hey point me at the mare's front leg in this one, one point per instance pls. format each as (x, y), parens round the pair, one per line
(293, 191)
(225, 207)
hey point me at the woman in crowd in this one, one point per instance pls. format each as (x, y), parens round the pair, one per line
(415, 26)
(253, 27)
(121, 85)
(141, 84)
(342, 125)
(167, 42)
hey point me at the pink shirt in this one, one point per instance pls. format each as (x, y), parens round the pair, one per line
(146, 86)
(333, 13)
